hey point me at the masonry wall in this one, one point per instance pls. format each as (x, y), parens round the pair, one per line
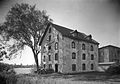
(64, 51)
(109, 54)
(67, 56)
(56, 37)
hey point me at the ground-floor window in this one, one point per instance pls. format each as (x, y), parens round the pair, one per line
(92, 66)
(73, 67)
(50, 66)
(83, 66)
(49, 57)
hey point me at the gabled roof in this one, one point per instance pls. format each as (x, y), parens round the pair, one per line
(108, 46)
(69, 33)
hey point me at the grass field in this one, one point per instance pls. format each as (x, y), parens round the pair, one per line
(82, 78)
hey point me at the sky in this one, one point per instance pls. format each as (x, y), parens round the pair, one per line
(100, 18)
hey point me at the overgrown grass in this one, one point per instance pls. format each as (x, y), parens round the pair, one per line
(8, 78)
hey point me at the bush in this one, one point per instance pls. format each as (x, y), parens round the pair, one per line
(4, 67)
(114, 69)
(46, 71)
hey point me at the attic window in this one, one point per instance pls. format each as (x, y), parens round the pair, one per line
(74, 33)
(50, 30)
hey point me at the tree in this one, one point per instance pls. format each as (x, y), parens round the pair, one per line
(25, 25)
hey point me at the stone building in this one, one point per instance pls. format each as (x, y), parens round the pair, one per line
(68, 51)
(109, 53)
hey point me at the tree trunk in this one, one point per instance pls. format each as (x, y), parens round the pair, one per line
(36, 61)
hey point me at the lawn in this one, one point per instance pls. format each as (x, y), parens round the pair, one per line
(81, 78)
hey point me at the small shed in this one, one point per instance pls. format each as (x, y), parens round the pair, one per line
(104, 66)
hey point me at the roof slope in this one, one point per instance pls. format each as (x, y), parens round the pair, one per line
(69, 33)
(109, 46)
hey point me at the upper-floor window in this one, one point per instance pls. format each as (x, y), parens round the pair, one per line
(91, 48)
(49, 47)
(83, 66)
(92, 66)
(73, 55)
(44, 58)
(92, 57)
(44, 49)
(49, 30)
(84, 56)
(49, 57)
(57, 36)
(73, 44)
(83, 46)
(49, 37)
(56, 56)
(56, 45)
(73, 67)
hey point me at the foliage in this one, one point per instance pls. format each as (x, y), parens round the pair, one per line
(25, 25)
(114, 69)
(6, 68)
(8, 78)
(7, 74)
(46, 71)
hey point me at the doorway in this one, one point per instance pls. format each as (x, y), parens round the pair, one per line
(56, 67)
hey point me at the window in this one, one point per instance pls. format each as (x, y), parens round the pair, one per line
(56, 46)
(49, 47)
(50, 66)
(91, 48)
(50, 38)
(49, 56)
(83, 46)
(50, 30)
(92, 57)
(83, 56)
(44, 66)
(73, 44)
(57, 37)
(44, 58)
(56, 56)
(73, 55)
(92, 66)
(44, 49)
(83, 66)
(73, 67)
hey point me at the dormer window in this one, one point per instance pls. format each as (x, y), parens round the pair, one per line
(83, 46)
(74, 33)
(73, 44)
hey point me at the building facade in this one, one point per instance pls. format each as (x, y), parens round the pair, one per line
(109, 53)
(68, 51)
